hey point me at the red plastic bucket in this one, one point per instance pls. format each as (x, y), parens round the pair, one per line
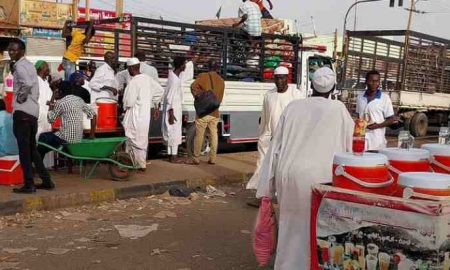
(10, 171)
(407, 160)
(107, 113)
(367, 173)
(268, 73)
(428, 186)
(9, 101)
(440, 157)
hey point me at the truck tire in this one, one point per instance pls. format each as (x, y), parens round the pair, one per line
(419, 125)
(190, 136)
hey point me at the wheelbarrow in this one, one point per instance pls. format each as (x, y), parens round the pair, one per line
(101, 150)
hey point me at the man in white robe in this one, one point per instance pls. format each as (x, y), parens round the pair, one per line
(309, 133)
(275, 101)
(140, 95)
(173, 110)
(123, 77)
(104, 83)
(45, 95)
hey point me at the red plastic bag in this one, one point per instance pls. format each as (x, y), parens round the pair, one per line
(265, 233)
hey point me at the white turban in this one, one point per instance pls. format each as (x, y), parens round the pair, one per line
(324, 80)
(281, 71)
(133, 61)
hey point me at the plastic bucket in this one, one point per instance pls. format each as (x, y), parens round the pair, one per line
(368, 173)
(107, 113)
(9, 101)
(407, 160)
(424, 185)
(440, 157)
(268, 73)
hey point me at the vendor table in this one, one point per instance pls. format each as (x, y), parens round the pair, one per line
(354, 230)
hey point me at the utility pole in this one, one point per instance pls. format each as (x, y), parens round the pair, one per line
(119, 8)
(88, 10)
(75, 10)
(335, 44)
(356, 17)
(407, 35)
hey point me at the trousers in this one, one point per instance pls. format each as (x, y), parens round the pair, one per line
(25, 129)
(201, 124)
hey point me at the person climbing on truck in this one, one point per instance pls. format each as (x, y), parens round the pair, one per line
(264, 12)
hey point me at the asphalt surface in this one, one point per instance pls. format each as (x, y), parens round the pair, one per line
(202, 233)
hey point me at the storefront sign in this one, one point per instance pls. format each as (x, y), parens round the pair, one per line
(44, 14)
(48, 33)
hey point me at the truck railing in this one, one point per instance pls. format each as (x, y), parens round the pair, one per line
(427, 61)
(241, 57)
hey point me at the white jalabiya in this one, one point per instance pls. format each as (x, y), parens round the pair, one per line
(188, 73)
(123, 77)
(273, 106)
(45, 94)
(141, 93)
(103, 76)
(309, 133)
(173, 99)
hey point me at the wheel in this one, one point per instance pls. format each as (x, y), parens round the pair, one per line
(419, 125)
(190, 137)
(117, 172)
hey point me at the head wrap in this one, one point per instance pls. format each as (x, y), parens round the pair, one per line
(39, 64)
(324, 80)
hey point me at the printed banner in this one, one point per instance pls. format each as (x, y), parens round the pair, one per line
(44, 14)
(352, 233)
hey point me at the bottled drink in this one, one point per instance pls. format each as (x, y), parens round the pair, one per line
(443, 135)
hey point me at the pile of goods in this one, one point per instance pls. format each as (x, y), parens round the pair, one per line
(269, 26)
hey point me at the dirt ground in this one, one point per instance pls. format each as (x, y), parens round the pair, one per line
(157, 232)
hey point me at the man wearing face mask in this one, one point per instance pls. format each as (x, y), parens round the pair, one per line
(141, 94)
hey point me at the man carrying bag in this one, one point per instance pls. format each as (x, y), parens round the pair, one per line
(208, 90)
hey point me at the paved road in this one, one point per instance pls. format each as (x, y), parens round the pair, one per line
(204, 233)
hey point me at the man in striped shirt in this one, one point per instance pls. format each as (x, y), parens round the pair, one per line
(70, 109)
(250, 15)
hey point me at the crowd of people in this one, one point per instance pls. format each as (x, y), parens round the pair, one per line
(297, 138)
(41, 97)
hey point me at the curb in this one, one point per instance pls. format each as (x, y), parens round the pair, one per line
(92, 197)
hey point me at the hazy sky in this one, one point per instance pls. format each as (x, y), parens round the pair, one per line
(328, 14)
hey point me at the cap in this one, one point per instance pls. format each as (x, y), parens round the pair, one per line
(323, 80)
(281, 71)
(133, 61)
(77, 75)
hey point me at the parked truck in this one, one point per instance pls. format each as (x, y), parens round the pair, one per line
(416, 76)
(247, 67)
